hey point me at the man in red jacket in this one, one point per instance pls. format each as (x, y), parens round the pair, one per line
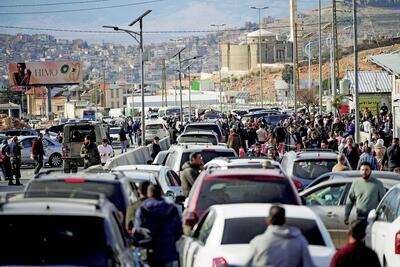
(38, 152)
(356, 253)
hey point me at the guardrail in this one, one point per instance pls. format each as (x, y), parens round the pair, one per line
(138, 155)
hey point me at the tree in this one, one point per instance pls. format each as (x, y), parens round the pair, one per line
(308, 97)
(287, 74)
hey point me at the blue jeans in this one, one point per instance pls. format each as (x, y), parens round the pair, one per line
(124, 146)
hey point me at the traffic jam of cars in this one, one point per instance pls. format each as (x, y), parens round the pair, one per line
(244, 188)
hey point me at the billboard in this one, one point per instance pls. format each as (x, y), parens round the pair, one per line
(45, 73)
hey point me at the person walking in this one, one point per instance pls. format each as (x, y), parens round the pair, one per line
(90, 153)
(280, 245)
(234, 141)
(368, 157)
(15, 157)
(156, 148)
(106, 151)
(341, 164)
(123, 140)
(366, 192)
(351, 153)
(38, 153)
(256, 152)
(165, 225)
(355, 253)
(292, 140)
(5, 152)
(191, 170)
(131, 211)
(391, 158)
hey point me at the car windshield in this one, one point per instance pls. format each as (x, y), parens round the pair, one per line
(78, 132)
(198, 139)
(208, 155)
(311, 169)
(246, 190)
(203, 127)
(154, 127)
(114, 130)
(111, 190)
(173, 111)
(237, 232)
(45, 240)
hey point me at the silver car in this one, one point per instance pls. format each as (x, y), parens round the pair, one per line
(328, 201)
(52, 148)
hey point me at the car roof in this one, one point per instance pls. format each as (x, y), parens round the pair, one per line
(54, 205)
(313, 154)
(139, 167)
(199, 132)
(232, 161)
(137, 175)
(101, 177)
(198, 147)
(245, 172)
(230, 211)
(383, 174)
(202, 123)
(154, 122)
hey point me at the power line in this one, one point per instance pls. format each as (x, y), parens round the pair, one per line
(79, 9)
(55, 4)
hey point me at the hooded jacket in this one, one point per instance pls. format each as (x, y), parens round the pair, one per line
(164, 222)
(189, 176)
(268, 248)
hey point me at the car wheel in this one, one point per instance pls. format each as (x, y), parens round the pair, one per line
(55, 160)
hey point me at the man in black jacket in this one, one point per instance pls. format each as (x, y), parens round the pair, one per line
(293, 139)
(38, 152)
(156, 147)
(351, 153)
(191, 170)
(392, 156)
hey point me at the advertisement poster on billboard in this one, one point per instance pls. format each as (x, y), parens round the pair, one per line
(45, 73)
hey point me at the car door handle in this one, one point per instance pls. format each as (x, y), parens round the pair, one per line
(331, 214)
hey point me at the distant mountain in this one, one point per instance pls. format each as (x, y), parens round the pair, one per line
(380, 3)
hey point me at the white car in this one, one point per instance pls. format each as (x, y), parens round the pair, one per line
(198, 137)
(383, 232)
(167, 178)
(52, 149)
(223, 234)
(114, 135)
(155, 128)
(242, 163)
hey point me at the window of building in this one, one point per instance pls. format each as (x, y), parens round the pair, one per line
(60, 108)
(112, 93)
(117, 91)
(112, 104)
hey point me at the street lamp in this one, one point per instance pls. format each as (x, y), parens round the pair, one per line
(190, 84)
(259, 50)
(140, 41)
(219, 63)
(180, 83)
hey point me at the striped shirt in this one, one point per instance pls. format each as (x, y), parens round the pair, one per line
(368, 158)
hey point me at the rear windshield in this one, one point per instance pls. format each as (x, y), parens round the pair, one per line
(236, 230)
(203, 127)
(311, 169)
(243, 190)
(45, 240)
(111, 190)
(207, 155)
(77, 133)
(154, 126)
(198, 139)
(115, 130)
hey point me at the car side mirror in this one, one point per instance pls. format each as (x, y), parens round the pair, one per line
(372, 215)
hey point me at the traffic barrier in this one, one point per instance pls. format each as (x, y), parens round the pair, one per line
(138, 155)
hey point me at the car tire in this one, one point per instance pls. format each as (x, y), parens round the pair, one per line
(55, 160)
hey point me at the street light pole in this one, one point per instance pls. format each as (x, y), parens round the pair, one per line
(219, 63)
(356, 98)
(180, 83)
(320, 56)
(259, 51)
(140, 42)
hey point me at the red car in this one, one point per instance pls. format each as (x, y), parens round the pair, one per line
(237, 186)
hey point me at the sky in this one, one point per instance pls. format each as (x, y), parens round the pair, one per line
(166, 15)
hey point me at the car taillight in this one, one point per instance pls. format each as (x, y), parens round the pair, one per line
(190, 219)
(297, 184)
(74, 180)
(397, 243)
(219, 262)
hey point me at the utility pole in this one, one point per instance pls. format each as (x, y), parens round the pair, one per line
(219, 64)
(164, 85)
(320, 56)
(259, 52)
(334, 47)
(295, 77)
(356, 95)
(180, 82)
